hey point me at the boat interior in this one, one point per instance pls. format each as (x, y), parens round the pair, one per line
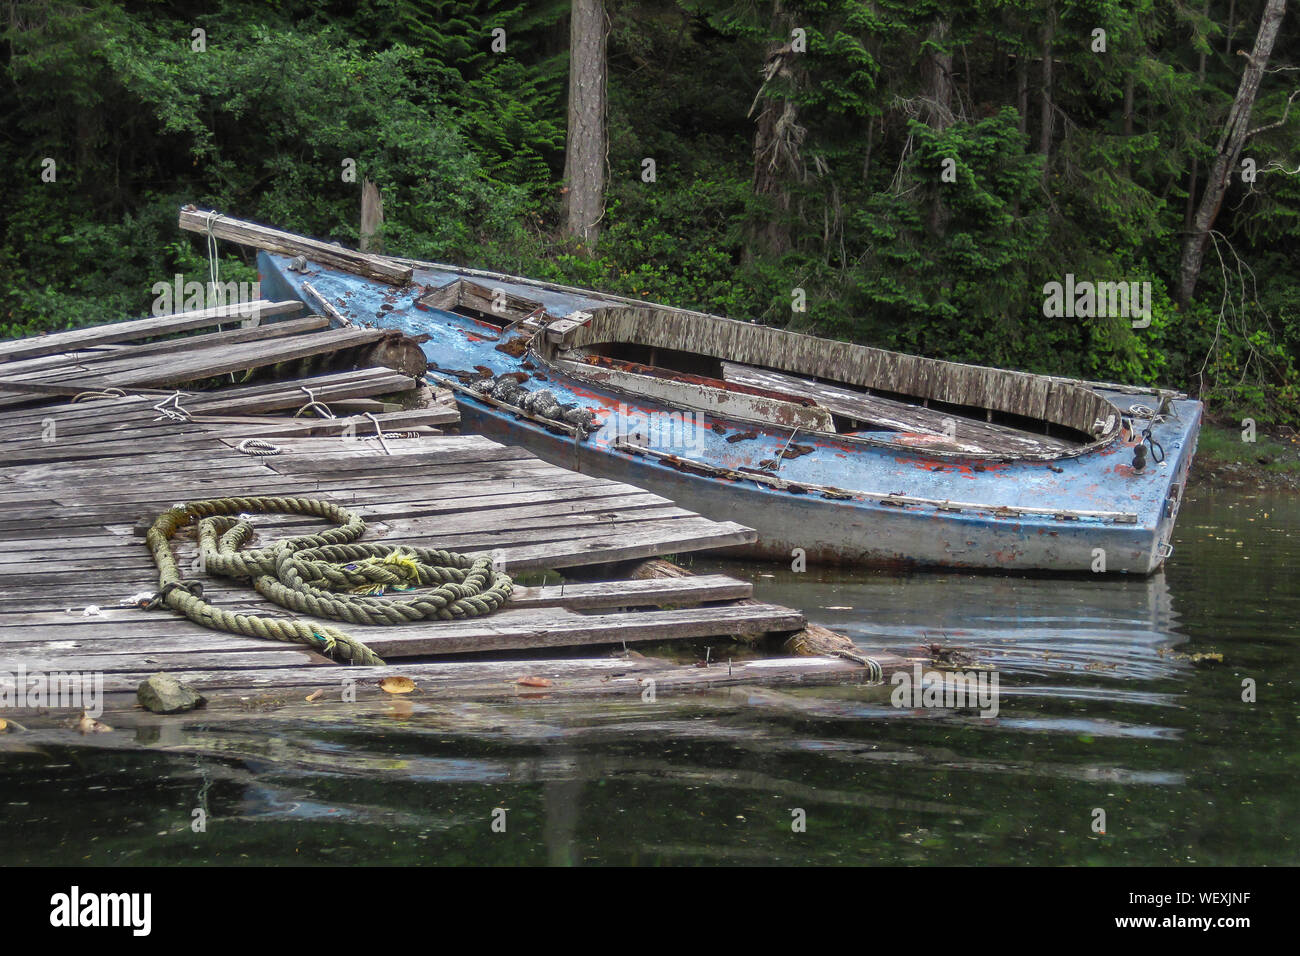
(822, 387)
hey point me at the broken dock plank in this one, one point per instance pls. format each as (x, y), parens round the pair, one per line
(136, 329)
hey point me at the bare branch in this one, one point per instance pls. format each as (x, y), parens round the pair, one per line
(1285, 112)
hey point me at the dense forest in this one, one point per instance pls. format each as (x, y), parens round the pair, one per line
(902, 173)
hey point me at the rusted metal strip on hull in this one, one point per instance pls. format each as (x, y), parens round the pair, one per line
(999, 511)
(838, 530)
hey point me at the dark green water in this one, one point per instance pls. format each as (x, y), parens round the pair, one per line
(1099, 710)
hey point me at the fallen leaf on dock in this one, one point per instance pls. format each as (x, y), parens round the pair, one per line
(397, 685)
(533, 682)
(315, 695)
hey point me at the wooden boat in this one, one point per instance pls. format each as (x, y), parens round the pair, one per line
(835, 452)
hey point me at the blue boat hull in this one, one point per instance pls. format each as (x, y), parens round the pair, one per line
(819, 531)
(840, 501)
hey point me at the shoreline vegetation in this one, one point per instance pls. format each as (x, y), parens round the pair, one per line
(1224, 460)
(913, 178)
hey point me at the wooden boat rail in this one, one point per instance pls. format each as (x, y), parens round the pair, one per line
(787, 412)
(610, 297)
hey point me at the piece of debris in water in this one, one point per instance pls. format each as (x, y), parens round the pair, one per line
(89, 725)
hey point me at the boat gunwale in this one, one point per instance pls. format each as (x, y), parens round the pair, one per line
(546, 354)
(594, 296)
(571, 369)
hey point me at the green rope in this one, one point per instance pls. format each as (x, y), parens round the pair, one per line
(324, 575)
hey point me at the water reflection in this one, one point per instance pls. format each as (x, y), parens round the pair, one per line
(1023, 626)
(1100, 707)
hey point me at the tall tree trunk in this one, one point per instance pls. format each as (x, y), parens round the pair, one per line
(1022, 105)
(1235, 132)
(871, 142)
(1045, 118)
(1128, 118)
(1022, 90)
(777, 137)
(937, 74)
(584, 155)
(1189, 211)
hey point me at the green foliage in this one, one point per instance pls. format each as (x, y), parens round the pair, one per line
(468, 146)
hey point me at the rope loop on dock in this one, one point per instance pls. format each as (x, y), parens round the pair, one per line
(97, 394)
(326, 575)
(257, 448)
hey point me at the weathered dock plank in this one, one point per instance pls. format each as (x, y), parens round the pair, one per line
(81, 479)
(136, 329)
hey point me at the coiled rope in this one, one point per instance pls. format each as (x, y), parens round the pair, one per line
(257, 448)
(324, 575)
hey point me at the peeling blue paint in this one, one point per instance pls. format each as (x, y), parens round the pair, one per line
(859, 530)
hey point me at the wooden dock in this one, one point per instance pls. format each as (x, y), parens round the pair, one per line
(102, 429)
